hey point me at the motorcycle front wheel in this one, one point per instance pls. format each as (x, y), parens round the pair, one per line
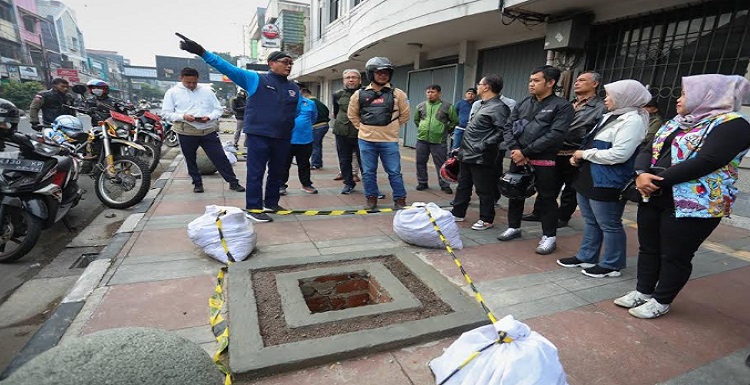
(171, 139)
(18, 234)
(127, 187)
(150, 156)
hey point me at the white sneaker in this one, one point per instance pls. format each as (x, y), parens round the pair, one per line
(509, 234)
(547, 245)
(458, 219)
(633, 299)
(650, 309)
(481, 225)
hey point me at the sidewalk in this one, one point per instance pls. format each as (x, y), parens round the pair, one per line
(159, 279)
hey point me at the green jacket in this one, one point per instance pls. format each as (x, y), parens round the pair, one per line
(341, 125)
(435, 121)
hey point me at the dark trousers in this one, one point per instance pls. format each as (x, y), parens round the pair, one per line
(263, 151)
(484, 180)
(439, 152)
(565, 174)
(212, 146)
(317, 145)
(667, 247)
(302, 153)
(546, 196)
(345, 147)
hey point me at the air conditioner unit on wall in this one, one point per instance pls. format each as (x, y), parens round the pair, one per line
(567, 34)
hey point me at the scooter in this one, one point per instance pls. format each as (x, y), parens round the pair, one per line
(38, 187)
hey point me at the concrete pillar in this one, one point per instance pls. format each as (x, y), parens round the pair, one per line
(420, 60)
(468, 55)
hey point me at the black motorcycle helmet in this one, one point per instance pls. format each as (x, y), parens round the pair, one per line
(9, 117)
(518, 185)
(378, 63)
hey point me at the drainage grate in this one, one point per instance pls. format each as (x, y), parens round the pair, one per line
(84, 260)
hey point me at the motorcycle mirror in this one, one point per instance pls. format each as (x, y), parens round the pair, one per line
(79, 89)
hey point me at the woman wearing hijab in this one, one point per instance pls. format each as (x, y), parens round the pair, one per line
(605, 163)
(698, 153)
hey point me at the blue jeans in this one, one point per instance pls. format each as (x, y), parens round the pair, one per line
(603, 227)
(458, 135)
(391, 158)
(316, 160)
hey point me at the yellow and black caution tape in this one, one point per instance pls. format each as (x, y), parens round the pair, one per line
(502, 335)
(219, 325)
(322, 212)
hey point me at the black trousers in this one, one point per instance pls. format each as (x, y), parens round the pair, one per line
(546, 196)
(484, 180)
(302, 152)
(565, 174)
(667, 247)
(345, 147)
(215, 152)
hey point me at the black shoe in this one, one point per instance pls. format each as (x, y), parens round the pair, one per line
(447, 190)
(574, 262)
(452, 203)
(274, 208)
(347, 190)
(259, 217)
(561, 223)
(531, 217)
(236, 187)
(422, 186)
(198, 188)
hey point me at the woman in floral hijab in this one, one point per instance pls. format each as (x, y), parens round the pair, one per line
(688, 173)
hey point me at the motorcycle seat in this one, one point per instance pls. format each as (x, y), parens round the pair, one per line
(80, 137)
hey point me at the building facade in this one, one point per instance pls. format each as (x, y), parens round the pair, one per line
(69, 35)
(454, 42)
(292, 20)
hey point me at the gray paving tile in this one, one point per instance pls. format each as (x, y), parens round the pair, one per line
(729, 370)
(162, 222)
(197, 334)
(353, 241)
(156, 258)
(159, 271)
(720, 266)
(540, 307)
(506, 297)
(610, 290)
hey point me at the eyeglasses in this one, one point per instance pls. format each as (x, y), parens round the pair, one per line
(285, 62)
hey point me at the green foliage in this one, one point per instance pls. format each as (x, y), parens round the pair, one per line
(20, 94)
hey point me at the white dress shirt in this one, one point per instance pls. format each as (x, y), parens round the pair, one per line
(180, 101)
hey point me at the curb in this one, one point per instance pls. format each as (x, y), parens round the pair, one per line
(52, 330)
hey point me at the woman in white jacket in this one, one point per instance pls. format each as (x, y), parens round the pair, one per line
(605, 163)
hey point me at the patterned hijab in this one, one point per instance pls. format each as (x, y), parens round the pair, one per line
(710, 95)
(629, 95)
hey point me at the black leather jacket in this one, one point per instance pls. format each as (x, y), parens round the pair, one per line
(584, 119)
(547, 124)
(484, 132)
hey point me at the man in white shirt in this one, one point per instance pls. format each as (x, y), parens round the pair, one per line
(195, 112)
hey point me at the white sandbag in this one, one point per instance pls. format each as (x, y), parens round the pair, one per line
(413, 226)
(238, 231)
(529, 359)
(231, 152)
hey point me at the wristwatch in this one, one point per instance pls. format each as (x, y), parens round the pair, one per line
(639, 172)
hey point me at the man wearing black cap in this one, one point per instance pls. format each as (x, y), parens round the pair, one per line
(273, 102)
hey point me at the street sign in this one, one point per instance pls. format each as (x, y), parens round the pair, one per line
(270, 36)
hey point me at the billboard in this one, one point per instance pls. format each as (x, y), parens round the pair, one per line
(70, 75)
(168, 67)
(28, 73)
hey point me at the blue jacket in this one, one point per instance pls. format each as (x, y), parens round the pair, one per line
(303, 123)
(273, 101)
(463, 108)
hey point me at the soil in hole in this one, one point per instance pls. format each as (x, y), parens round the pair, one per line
(273, 327)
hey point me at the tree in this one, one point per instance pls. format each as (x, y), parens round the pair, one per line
(20, 94)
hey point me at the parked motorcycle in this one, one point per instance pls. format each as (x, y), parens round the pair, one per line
(170, 137)
(149, 133)
(121, 179)
(38, 187)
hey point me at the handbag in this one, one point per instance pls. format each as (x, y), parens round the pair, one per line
(631, 193)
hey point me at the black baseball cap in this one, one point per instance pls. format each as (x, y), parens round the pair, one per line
(278, 55)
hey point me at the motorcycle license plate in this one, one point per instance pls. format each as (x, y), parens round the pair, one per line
(21, 165)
